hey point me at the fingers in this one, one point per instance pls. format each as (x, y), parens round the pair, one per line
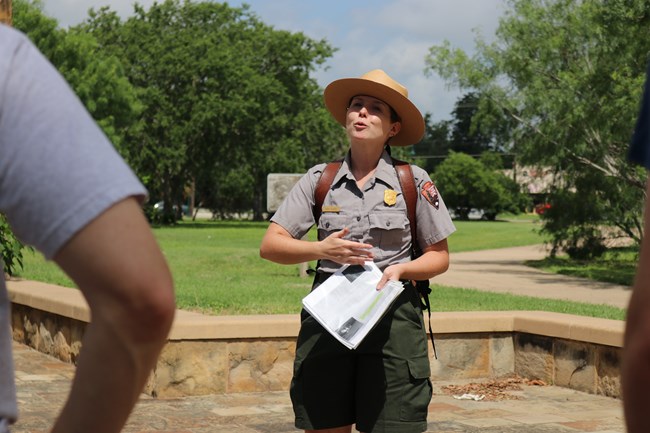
(357, 252)
(350, 244)
(345, 251)
(354, 260)
(351, 257)
(359, 249)
(393, 272)
(341, 233)
(382, 282)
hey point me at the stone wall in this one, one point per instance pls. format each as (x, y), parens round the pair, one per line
(218, 367)
(49, 333)
(587, 367)
(230, 354)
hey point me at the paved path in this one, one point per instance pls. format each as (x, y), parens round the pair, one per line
(503, 271)
(43, 383)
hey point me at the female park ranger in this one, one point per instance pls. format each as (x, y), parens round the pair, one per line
(383, 385)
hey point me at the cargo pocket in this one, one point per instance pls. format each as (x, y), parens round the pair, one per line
(418, 392)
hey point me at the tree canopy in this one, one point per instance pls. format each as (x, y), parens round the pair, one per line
(96, 76)
(468, 183)
(466, 132)
(198, 97)
(226, 100)
(566, 77)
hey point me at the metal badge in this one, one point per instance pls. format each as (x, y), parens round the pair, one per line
(390, 197)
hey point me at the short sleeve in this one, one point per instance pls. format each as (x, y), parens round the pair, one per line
(295, 214)
(434, 223)
(58, 170)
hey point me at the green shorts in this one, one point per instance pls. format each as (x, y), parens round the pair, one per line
(382, 386)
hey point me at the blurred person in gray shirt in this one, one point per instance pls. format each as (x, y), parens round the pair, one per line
(53, 156)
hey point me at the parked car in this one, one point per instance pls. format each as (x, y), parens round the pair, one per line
(160, 206)
(541, 208)
(476, 214)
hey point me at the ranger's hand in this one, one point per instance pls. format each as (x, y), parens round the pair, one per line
(344, 251)
(392, 272)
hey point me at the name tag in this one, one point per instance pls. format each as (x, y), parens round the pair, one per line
(331, 209)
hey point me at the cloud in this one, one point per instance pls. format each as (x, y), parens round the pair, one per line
(394, 35)
(71, 12)
(442, 19)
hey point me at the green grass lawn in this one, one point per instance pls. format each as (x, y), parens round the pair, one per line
(457, 299)
(217, 270)
(483, 235)
(616, 266)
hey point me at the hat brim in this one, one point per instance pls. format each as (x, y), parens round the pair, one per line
(338, 93)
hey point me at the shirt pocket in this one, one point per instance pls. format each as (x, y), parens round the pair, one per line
(389, 231)
(330, 223)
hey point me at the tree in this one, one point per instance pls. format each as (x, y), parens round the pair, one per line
(96, 77)
(466, 183)
(467, 136)
(469, 131)
(435, 145)
(227, 100)
(567, 75)
(514, 199)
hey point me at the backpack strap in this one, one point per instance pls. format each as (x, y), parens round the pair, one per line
(323, 186)
(407, 182)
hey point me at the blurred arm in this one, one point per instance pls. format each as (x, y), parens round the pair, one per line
(636, 350)
(121, 271)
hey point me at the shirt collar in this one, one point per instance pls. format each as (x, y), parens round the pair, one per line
(385, 171)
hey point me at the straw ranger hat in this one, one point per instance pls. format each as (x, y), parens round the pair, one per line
(379, 85)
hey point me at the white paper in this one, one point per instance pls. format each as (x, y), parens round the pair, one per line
(474, 397)
(348, 303)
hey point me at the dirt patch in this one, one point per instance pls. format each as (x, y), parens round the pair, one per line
(491, 390)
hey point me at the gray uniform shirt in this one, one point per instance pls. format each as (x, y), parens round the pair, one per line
(58, 171)
(370, 214)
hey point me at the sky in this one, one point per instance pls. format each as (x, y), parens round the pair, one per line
(393, 35)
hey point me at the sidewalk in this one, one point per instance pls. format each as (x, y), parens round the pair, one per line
(43, 382)
(503, 271)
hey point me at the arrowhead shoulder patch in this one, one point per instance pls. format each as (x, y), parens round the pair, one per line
(430, 193)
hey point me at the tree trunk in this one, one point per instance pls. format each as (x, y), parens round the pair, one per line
(5, 12)
(258, 202)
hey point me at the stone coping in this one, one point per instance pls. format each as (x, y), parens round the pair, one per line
(188, 325)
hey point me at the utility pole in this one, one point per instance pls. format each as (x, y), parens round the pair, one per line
(5, 12)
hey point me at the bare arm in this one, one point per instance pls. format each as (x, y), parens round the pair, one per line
(279, 246)
(434, 261)
(118, 266)
(636, 350)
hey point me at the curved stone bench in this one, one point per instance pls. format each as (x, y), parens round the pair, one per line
(226, 354)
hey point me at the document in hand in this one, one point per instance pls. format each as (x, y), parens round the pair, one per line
(348, 303)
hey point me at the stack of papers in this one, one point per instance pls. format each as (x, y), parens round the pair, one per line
(349, 305)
